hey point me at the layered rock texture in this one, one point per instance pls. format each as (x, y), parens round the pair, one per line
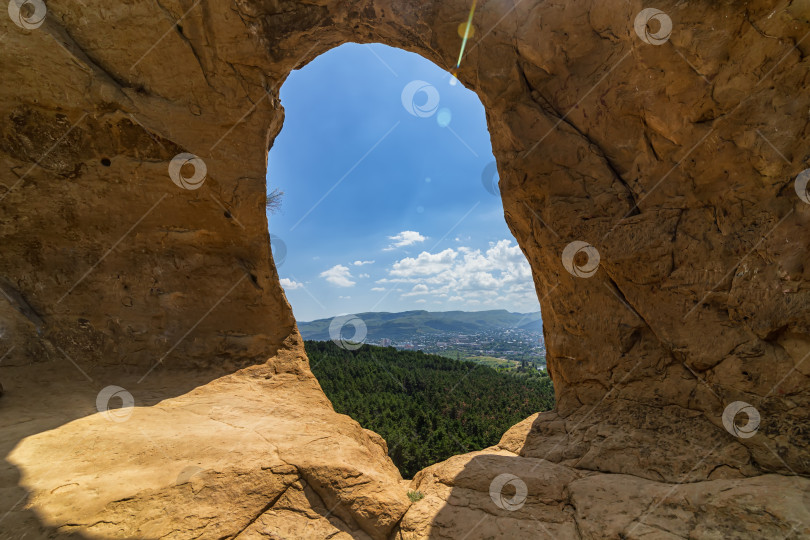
(672, 149)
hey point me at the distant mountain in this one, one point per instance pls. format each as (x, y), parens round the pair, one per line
(408, 324)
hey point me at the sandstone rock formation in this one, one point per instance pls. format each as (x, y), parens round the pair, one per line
(676, 156)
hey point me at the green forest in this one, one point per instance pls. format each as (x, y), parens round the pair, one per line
(427, 407)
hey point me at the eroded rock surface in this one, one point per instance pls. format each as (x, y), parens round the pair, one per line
(564, 502)
(254, 452)
(677, 162)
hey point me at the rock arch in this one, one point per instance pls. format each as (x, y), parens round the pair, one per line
(676, 161)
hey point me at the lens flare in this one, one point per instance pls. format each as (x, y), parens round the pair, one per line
(465, 30)
(468, 32)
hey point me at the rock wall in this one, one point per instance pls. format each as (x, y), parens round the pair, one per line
(650, 173)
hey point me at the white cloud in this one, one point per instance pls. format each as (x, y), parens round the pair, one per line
(405, 238)
(422, 301)
(362, 263)
(291, 285)
(345, 297)
(418, 289)
(338, 275)
(363, 276)
(378, 289)
(498, 276)
(425, 264)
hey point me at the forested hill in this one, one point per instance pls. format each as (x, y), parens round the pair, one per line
(428, 408)
(408, 324)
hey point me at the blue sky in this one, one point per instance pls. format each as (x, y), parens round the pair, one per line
(385, 205)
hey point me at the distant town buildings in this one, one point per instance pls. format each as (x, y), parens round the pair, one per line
(524, 347)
